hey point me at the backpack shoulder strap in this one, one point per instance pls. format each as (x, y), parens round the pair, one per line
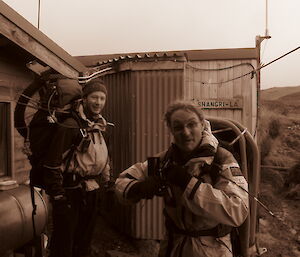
(77, 140)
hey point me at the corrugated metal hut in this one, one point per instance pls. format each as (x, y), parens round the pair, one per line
(141, 85)
(21, 43)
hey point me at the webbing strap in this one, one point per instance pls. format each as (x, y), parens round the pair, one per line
(193, 192)
(33, 213)
(36, 238)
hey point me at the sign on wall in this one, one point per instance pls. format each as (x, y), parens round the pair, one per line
(233, 103)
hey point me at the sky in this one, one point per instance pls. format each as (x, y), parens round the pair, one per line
(92, 27)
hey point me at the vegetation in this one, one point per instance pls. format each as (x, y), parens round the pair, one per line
(279, 141)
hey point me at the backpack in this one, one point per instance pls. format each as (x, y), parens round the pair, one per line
(40, 136)
(58, 101)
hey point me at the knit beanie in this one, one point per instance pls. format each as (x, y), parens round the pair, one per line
(92, 86)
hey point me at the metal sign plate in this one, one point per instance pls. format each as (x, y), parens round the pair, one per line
(233, 103)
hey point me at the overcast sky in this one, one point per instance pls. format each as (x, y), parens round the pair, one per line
(89, 27)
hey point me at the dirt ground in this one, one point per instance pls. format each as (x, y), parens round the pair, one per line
(107, 238)
(280, 235)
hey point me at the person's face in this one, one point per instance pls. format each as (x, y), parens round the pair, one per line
(94, 102)
(186, 129)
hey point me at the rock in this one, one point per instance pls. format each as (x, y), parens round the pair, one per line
(293, 231)
(264, 222)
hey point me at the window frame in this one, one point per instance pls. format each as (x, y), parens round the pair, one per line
(10, 139)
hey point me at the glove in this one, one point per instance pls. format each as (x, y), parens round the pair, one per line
(177, 175)
(145, 189)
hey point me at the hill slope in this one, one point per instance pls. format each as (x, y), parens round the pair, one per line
(275, 93)
(289, 99)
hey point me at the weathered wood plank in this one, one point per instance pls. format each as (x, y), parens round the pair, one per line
(237, 89)
(199, 84)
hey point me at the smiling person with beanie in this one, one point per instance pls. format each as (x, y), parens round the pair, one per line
(76, 164)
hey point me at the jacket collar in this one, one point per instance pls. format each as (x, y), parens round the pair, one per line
(202, 151)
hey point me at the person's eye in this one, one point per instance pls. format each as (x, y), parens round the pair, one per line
(192, 124)
(177, 128)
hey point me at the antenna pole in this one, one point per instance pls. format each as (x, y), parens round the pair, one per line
(39, 13)
(267, 32)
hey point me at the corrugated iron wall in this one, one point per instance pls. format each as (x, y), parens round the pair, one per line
(153, 91)
(136, 104)
(118, 110)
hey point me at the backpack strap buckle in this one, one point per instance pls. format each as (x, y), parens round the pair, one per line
(83, 132)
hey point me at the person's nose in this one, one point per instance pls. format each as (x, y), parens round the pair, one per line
(186, 131)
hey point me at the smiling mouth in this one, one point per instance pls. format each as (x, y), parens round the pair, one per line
(96, 109)
(187, 141)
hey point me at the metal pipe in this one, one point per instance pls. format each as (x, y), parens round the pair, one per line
(245, 228)
(254, 181)
(242, 141)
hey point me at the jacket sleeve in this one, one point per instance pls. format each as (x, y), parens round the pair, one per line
(136, 173)
(226, 202)
(61, 142)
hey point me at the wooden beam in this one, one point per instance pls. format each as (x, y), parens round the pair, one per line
(27, 42)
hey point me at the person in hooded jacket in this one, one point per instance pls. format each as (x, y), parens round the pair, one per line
(76, 163)
(202, 185)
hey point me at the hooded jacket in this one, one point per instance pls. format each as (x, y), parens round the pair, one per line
(89, 159)
(212, 197)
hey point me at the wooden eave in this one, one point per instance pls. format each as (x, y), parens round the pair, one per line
(21, 32)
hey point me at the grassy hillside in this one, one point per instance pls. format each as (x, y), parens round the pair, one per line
(281, 101)
(291, 99)
(279, 140)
